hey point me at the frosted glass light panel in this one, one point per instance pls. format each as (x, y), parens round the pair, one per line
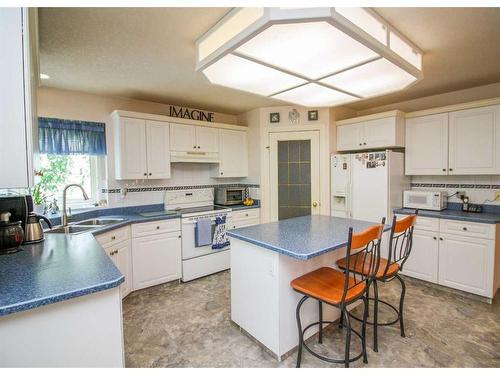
(374, 78)
(233, 24)
(311, 49)
(366, 22)
(404, 50)
(314, 95)
(238, 73)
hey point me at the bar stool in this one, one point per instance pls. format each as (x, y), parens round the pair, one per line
(340, 289)
(400, 244)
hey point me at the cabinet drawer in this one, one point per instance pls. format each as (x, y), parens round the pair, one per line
(156, 227)
(243, 223)
(468, 228)
(424, 223)
(110, 238)
(246, 214)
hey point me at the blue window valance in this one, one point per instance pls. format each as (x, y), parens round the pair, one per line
(71, 137)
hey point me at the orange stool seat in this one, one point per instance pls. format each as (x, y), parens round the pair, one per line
(357, 267)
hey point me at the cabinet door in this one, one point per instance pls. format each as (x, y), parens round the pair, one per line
(423, 260)
(158, 149)
(207, 139)
(382, 132)
(350, 137)
(467, 264)
(475, 141)
(13, 129)
(182, 137)
(156, 259)
(130, 157)
(427, 145)
(121, 257)
(233, 153)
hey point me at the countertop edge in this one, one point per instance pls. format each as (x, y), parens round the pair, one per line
(448, 216)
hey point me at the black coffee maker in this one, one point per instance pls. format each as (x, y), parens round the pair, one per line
(14, 211)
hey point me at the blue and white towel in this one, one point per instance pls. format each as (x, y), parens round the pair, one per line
(220, 240)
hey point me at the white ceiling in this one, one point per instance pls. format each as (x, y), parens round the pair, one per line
(149, 53)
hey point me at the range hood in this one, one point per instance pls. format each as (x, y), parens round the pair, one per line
(194, 157)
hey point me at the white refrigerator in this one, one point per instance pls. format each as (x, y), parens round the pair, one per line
(368, 185)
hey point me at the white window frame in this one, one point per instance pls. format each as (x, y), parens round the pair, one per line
(94, 188)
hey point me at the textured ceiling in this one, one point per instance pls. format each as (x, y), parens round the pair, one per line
(149, 53)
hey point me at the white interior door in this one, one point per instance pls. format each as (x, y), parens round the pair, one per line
(294, 174)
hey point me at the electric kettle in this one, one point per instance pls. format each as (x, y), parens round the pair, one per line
(34, 230)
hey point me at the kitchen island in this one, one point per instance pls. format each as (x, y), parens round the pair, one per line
(266, 257)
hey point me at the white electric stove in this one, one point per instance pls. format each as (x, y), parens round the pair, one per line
(193, 205)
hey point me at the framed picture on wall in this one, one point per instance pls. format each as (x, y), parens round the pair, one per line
(312, 115)
(274, 117)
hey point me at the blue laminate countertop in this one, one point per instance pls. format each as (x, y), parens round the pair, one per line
(62, 267)
(483, 217)
(302, 237)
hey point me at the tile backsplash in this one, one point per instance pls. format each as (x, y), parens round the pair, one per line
(480, 189)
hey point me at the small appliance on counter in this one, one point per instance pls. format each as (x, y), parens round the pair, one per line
(470, 207)
(18, 206)
(34, 229)
(425, 200)
(11, 234)
(229, 196)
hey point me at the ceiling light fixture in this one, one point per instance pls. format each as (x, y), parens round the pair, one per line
(308, 56)
(44, 76)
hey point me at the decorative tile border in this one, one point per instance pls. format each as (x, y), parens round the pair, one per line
(165, 188)
(456, 186)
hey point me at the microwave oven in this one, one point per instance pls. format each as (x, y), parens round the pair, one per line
(425, 200)
(230, 196)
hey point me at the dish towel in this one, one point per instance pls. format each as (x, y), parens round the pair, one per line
(221, 239)
(203, 232)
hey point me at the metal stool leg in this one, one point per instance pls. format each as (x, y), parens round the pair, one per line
(320, 336)
(375, 316)
(368, 299)
(347, 338)
(363, 329)
(401, 300)
(299, 326)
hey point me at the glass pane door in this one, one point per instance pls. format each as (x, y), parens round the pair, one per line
(294, 178)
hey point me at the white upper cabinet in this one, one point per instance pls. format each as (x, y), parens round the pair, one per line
(349, 137)
(188, 138)
(475, 141)
(365, 133)
(233, 153)
(158, 149)
(182, 138)
(455, 143)
(16, 103)
(130, 148)
(207, 139)
(427, 145)
(141, 149)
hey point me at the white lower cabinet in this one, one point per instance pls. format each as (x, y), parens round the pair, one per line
(467, 263)
(456, 254)
(244, 218)
(156, 258)
(423, 260)
(121, 257)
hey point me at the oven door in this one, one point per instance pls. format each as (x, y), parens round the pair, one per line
(189, 249)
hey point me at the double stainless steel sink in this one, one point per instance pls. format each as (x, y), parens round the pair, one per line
(85, 225)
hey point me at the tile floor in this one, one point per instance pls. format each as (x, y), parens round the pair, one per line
(188, 325)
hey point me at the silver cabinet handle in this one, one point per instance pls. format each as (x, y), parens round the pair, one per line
(158, 227)
(113, 238)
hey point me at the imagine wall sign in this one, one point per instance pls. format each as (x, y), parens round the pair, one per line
(191, 114)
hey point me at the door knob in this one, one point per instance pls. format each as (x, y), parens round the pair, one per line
(315, 204)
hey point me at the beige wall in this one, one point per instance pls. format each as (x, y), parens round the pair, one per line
(440, 100)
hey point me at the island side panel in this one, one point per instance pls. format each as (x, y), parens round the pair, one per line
(254, 292)
(80, 332)
(289, 269)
